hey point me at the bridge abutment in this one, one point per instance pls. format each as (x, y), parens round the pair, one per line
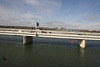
(82, 43)
(27, 40)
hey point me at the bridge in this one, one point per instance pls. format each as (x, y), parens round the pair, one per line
(28, 35)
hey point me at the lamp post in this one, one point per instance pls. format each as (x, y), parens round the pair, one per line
(37, 24)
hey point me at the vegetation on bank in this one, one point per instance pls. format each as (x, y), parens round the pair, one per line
(46, 28)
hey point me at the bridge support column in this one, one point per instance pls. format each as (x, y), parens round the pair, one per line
(82, 43)
(27, 40)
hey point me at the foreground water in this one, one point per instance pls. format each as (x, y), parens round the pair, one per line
(46, 52)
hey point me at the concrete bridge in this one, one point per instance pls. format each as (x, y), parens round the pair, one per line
(28, 35)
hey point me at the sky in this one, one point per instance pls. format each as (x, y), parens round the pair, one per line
(50, 13)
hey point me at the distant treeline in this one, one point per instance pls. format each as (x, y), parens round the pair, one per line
(46, 28)
(26, 27)
(91, 31)
(17, 27)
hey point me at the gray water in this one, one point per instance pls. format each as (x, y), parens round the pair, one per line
(47, 52)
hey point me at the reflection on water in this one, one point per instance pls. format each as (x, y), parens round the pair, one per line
(27, 50)
(81, 56)
(81, 53)
(48, 53)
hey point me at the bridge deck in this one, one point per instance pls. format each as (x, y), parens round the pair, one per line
(51, 34)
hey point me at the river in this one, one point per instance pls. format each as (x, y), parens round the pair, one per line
(47, 52)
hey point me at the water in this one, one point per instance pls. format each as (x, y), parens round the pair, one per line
(47, 52)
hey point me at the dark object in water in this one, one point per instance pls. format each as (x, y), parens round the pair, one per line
(4, 58)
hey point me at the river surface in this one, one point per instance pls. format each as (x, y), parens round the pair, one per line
(47, 52)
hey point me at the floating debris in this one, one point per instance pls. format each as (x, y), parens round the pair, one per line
(4, 58)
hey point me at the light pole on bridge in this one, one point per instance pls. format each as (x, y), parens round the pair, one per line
(36, 26)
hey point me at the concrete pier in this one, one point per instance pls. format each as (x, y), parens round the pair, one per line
(27, 40)
(82, 43)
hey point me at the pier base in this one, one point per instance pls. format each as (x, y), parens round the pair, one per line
(82, 43)
(27, 40)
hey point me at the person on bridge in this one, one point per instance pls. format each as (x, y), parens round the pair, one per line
(72, 42)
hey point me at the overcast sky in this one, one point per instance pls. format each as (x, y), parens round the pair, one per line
(52, 12)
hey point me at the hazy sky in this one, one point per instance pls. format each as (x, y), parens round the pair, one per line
(71, 12)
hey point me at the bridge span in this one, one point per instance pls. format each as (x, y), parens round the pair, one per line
(28, 35)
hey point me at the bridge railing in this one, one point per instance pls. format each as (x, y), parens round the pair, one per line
(47, 32)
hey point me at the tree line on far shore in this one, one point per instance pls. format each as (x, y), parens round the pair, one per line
(46, 28)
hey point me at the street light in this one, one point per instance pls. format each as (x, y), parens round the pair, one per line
(36, 25)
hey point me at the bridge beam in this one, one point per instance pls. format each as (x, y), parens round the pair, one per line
(82, 43)
(27, 40)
